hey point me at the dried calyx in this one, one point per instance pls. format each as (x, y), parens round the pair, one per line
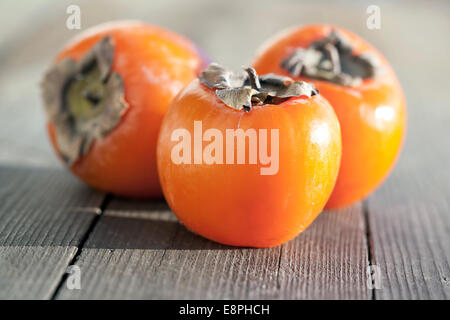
(246, 89)
(332, 59)
(84, 100)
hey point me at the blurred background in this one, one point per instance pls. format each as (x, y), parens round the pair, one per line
(413, 36)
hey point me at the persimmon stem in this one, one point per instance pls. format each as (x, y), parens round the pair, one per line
(253, 78)
(242, 91)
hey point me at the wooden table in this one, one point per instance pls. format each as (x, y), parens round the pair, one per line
(137, 249)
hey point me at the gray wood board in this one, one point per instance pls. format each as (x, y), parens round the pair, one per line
(139, 250)
(44, 214)
(409, 219)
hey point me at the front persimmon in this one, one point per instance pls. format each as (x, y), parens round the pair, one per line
(246, 160)
(363, 90)
(105, 97)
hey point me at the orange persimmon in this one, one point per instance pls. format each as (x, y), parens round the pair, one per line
(248, 160)
(105, 97)
(362, 88)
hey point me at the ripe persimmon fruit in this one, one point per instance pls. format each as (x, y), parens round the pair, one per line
(248, 160)
(362, 88)
(105, 97)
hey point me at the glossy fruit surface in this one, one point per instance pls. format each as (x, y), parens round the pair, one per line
(154, 64)
(372, 114)
(234, 203)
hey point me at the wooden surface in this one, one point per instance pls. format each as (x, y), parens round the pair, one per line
(136, 249)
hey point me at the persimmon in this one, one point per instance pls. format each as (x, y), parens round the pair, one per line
(105, 97)
(362, 88)
(248, 160)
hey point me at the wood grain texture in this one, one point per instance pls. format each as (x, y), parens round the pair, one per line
(140, 251)
(409, 218)
(32, 272)
(410, 235)
(329, 260)
(44, 213)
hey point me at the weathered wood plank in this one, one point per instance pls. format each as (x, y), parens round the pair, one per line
(329, 260)
(32, 272)
(411, 232)
(123, 250)
(44, 214)
(410, 225)
(139, 250)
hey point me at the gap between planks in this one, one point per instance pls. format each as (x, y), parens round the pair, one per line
(369, 241)
(83, 240)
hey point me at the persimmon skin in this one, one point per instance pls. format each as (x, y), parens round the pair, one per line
(155, 64)
(233, 203)
(372, 115)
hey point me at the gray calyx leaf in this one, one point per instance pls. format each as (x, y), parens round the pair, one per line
(76, 133)
(332, 59)
(242, 90)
